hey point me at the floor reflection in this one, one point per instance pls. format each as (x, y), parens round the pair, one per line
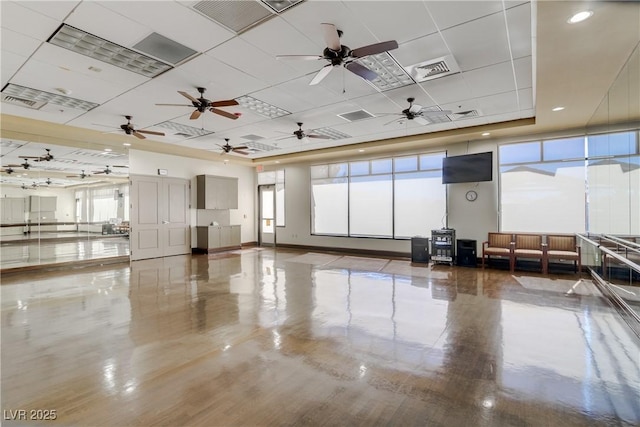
(264, 336)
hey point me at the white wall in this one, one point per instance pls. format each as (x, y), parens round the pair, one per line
(147, 163)
(471, 220)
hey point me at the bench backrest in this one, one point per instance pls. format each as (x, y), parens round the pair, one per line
(528, 241)
(561, 243)
(500, 240)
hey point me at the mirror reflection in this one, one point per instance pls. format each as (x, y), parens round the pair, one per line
(62, 204)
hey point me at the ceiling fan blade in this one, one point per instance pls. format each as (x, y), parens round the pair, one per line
(421, 121)
(172, 105)
(301, 57)
(195, 115)
(286, 137)
(373, 49)
(331, 37)
(324, 71)
(29, 157)
(224, 113)
(362, 71)
(138, 135)
(98, 173)
(189, 97)
(240, 147)
(415, 108)
(240, 152)
(318, 136)
(151, 132)
(120, 166)
(224, 103)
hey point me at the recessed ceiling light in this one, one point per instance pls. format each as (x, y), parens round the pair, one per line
(361, 151)
(580, 16)
(486, 133)
(126, 144)
(557, 109)
(107, 149)
(277, 161)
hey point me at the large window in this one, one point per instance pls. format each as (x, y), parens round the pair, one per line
(392, 198)
(587, 183)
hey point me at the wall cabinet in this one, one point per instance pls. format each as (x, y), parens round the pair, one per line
(218, 237)
(12, 210)
(216, 192)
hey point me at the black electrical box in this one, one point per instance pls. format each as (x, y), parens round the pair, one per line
(420, 249)
(466, 253)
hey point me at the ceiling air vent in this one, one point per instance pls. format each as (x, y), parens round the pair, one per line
(433, 69)
(236, 15)
(164, 49)
(252, 137)
(34, 105)
(464, 115)
(280, 5)
(354, 116)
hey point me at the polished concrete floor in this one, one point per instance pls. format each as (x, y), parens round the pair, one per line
(282, 337)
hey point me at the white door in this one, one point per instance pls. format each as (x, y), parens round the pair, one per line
(159, 217)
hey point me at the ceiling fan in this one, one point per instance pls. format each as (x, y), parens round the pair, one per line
(417, 113)
(8, 170)
(81, 175)
(338, 54)
(301, 134)
(45, 158)
(130, 130)
(202, 104)
(29, 187)
(227, 148)
(105, 171)
(25, 165)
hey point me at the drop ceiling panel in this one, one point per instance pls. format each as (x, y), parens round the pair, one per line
(379, 105)
(227, 81)
(175, 21)
(491, 80)
(57, 10)
(18, 43)
(450, 13)
(499, 104)
(316, 95)
(96, 19)
(524, 72)
(525, 99)
(52, 113)
(243, 56)
(415, 23)
(448, 89)
(70, 71)
(347, 84)
(519, 26)
(421, 49)
(25, 21)
(479, 43)
(10, 63)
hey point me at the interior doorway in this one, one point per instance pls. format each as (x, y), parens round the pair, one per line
(267, 217)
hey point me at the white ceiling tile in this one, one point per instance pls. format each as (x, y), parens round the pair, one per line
(10, 63)
(25, 21)
(415, 21)
(96, 19)
(50, 113)
(53, 67)
(519, 25)
(317, 95)
(241, 55)
(282, 99)
(490, 80)
(524, 72)
(498, 104)
(174, 21)
(17, 43)
(421, 49)
(57, 10)
(448, 89)
(450, 13)
(479, 43)
(525, 99)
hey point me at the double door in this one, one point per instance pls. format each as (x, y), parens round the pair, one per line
(159, 217)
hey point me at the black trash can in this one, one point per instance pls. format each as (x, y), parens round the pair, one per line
(420, 249)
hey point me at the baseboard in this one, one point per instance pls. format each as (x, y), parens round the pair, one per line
(369, 252)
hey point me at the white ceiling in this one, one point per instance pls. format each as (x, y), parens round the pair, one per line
(496, 44)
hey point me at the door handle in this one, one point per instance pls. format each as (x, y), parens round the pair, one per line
(165, 222)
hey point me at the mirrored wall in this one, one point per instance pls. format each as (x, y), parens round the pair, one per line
(62, 205)
(614, 169)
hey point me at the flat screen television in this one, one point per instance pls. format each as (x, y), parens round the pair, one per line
(467, 168)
